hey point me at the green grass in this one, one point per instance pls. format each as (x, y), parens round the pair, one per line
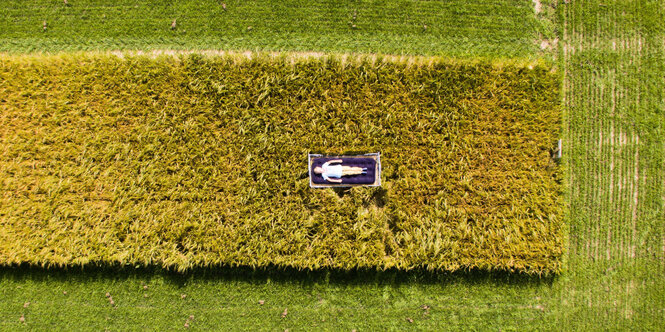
(201, 161)
(597, 292)
(614, 92)
(503, 29)
(228, 299)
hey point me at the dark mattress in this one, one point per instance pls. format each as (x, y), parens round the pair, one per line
(368, 178)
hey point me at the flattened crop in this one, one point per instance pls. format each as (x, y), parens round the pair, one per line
(201, 161)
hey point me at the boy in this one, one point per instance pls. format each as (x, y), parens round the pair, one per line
(334, 173)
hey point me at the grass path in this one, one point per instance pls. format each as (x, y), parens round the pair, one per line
(230, 300)
(614, 62)
(502, 29)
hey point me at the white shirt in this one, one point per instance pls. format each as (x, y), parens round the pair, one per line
(331, 171)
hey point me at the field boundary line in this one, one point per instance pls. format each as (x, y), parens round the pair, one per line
(296, 57)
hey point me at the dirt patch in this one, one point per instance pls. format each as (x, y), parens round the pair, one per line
(611, 188)
(636, 181)
(548, 44)
(537, 6)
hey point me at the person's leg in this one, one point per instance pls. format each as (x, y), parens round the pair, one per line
(347, 170)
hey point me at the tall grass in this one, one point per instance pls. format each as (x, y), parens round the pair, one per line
(201, 161)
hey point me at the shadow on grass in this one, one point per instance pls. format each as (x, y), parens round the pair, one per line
(304, 278)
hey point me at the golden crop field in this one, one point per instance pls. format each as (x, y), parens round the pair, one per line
(197, 161)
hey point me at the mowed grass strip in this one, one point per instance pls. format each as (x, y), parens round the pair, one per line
(455, 28)
(201, 161)
(614, 91)
(240, 299)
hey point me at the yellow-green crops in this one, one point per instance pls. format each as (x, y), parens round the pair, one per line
(201, 161)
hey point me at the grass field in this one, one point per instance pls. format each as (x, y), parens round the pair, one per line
(504, 29)
(229, 299)
(611, 54)
(614, 61)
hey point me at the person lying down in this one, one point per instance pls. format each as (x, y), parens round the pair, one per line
(334, 173)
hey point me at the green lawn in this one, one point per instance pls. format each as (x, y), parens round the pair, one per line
(612, 57)
(503, 29)
(614, 90)
(228, 299)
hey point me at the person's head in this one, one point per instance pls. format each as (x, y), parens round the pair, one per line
(318, 170)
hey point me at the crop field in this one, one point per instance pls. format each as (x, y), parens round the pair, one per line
(201, 161)
(610, 56)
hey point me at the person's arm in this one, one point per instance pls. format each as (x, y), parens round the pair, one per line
(327, 163)
(326, 178)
